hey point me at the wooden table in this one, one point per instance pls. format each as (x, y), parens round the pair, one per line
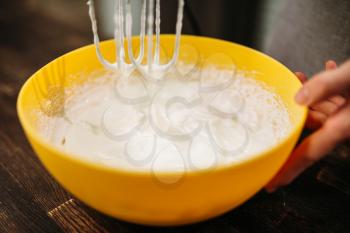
(32, 201)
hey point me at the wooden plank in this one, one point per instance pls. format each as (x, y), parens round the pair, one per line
(24, 168)
(72, 218)
(19, 212)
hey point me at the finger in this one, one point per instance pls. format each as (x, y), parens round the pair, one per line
(301, 76)
(325, 107)
(331, 65)
(340, 123)
(313, 148)
(315, 119)
(325, 85)
(338, 100)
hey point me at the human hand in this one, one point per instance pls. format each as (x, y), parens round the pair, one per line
(326, 95)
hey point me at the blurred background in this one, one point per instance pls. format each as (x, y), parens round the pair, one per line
(34, 32)
(242, 21)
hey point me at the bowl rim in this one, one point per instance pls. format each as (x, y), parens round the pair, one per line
(32, 133)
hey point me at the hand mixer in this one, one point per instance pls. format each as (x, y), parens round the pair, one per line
(123, 18)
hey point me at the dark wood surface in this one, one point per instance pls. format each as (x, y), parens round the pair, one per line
(32, 201)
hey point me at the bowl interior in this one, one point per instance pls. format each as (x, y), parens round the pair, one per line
(44, 92)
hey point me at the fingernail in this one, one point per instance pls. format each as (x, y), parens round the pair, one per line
(331, 65)
(302, 96)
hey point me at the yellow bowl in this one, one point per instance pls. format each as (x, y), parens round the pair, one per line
(135, 196)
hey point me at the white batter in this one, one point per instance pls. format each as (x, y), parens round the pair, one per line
(174, 125)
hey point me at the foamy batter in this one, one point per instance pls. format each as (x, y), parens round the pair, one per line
(217, 117)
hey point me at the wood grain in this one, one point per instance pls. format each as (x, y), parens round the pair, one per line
(72, 218)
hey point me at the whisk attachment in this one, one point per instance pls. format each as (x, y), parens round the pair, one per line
(123, 29)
